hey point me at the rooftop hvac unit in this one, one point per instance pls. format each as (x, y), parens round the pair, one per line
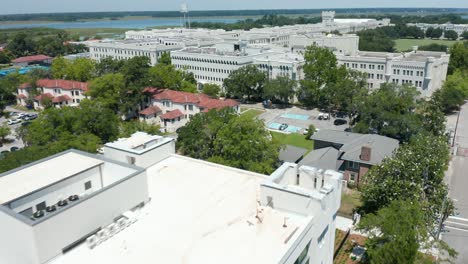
(113, 229)
(102, 234)
(122, 223)
(92, 241)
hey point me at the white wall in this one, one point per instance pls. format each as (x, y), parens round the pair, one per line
(73, 223)
(16, 241)
(144, 160)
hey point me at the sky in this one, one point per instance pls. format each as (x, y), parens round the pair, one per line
(52, 6)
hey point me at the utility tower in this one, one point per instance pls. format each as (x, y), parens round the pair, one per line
(185, 17)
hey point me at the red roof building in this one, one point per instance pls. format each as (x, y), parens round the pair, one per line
(172, 115)
(61, 98)
(32, 59)
(62, 84)
(152, 110)
(41, 97)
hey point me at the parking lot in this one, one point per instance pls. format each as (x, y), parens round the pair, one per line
(12, 140)
(277, 116)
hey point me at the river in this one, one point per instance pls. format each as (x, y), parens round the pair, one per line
(124, 23)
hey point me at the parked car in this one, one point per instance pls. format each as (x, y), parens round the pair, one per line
(14, 149)
(339, 122)
(348, 129)
(283, 126)
(21, 115)
(30, 117)
(341, 115)
(14, 121)
(26, 123)
(323, 116)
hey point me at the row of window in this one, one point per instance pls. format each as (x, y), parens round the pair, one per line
(408, 72)
(371, 76)
(410, 82)
(73, 93)
(205, 60)
(209, 78)
(364, 66)
(281, 67)
(123, 52)
(198, 68)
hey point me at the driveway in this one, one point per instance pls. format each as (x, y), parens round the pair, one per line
(456, 227)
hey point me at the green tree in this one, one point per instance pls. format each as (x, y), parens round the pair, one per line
(451, 34)
(167, 76)
(5, 57)
(464, 35)
(246, 81)
(374, 40)
(458, 57)
(110, 89)
(8, 86)
(395, 233)
(415, 172)
(165, 58)
(4, 132)
(320, 70)
(211, 89)
(429, 32)
(21, 45)
(437, 33)
(59, 68)
(127, 128)
(244, 143)
(453, 93)
(81, 69)
(108, 65)
(135, 71)
(280, 89)
(390, 110)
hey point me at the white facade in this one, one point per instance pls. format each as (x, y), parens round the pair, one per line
(459, 28)
(423, 69)
(344, 44)
(105, 190)
(283, 64)
(141, 149)
(124, 50)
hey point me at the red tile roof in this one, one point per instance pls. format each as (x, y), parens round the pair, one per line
(21, 96)
(150, 110)
(172, 114)
(61, 98)
(63, 84)
(32, 58)
(43, 96)
(202, 100)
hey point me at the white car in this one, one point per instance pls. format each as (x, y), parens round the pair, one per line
(323, 116)
(21, 115)
(14, 121)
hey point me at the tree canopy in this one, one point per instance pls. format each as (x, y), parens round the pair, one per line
(247, 81)
(281, 89)
(211, 89)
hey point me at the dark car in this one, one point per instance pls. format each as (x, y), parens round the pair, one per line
(341, 115)
(339, 122)
(14, 149)
(283, 126)
(348, 129)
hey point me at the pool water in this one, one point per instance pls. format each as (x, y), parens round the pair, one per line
(22, 70)
(291, 129)
(295, 116)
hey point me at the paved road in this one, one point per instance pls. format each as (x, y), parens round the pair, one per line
(456, 227)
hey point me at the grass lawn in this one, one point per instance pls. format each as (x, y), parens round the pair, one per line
(293, 139)
(252, 112)
(349, 201)
(91, 32)
(406, 44)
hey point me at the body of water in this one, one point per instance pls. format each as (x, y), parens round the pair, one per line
(131, 23)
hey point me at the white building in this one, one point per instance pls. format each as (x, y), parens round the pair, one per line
(214, 64)
(348, 25)
(173, 109)
(52, 205)
(459, 28)
(347, 44)
(126, 49)
(423, 69)
(59, 92)
(282, 64)
(182, 211)
(141, 149)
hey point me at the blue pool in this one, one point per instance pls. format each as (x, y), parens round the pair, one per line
(291, 129)
(22, 70)
(295, 116)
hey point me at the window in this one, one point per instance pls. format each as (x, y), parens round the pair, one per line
(303, 255)
(352, 177)
(190, 107)
(353, 165)
(87, 185)
(131, 160)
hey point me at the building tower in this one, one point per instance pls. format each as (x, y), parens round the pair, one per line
(185, 17)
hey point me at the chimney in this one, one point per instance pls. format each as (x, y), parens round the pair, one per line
(366, 153)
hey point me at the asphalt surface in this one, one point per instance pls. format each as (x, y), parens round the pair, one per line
(12, 140)
(456, 227)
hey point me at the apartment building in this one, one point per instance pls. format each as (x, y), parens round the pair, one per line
(126, 49)
(173, 109)
(59, 92)
(76, 207)
(347, 44)
(423, 69)
(281, 64)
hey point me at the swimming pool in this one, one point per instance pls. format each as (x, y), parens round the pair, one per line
(290, 129)
(22, 70)
(295, 116)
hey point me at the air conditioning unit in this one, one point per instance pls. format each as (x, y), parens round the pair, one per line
(113, 229)
(102, 234)
(92, 241)
(122, 223)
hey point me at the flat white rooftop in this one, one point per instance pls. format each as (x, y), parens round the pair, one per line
(21, 182)
(139, 142)
(199, 213)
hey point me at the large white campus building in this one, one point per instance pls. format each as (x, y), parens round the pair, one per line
(211, 55)
(459, 28)
(75, 208)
